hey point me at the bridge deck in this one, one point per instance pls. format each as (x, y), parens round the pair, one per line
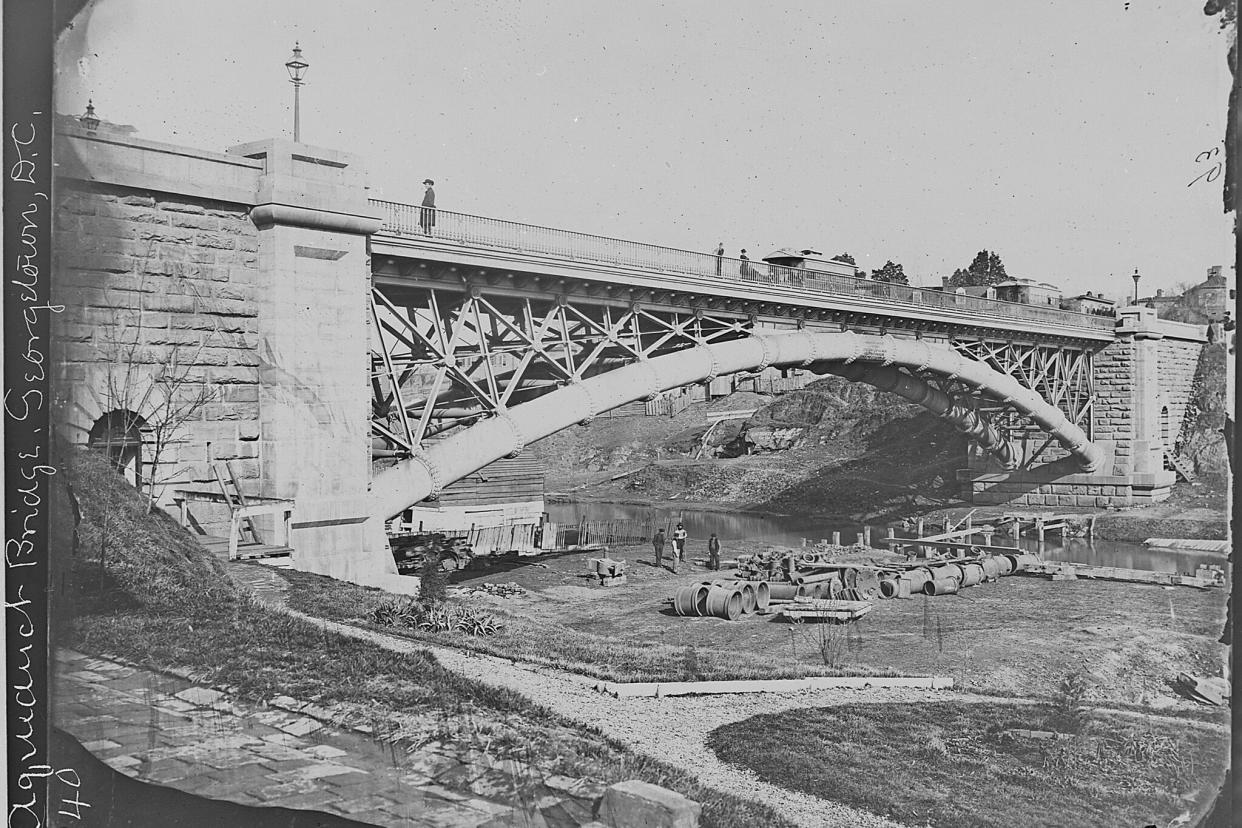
(480, 241)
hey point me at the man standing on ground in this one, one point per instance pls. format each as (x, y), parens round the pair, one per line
(658, 544)
(427, 215)
(713, 552)
(679, 543)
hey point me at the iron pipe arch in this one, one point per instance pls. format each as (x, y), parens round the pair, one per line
(870, 358)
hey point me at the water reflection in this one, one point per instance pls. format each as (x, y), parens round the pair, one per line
(784, 530)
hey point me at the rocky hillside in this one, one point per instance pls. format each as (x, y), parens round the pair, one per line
(1202, 441)
(835, 447)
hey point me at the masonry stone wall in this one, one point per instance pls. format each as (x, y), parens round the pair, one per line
(1178, 359)
(1112, 420)
(155, 282)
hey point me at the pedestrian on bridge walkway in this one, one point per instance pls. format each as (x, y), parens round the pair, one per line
(719, 257)
(427, 214)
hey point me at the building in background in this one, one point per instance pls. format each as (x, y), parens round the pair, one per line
(1089, 302)
(1028, 292)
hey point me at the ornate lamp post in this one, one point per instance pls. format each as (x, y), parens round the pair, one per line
(297, 66)
(88, 120)
(1136, 278)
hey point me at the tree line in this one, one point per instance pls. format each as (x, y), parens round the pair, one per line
(987, 269)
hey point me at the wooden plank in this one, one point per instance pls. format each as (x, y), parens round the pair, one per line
(982, 547)
(958, 533)
(1189, 544)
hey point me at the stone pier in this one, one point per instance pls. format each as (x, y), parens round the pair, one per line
(1142, 385)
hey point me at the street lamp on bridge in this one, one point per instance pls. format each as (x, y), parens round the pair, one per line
(89, 120)
(1136, 278)
(297, 66)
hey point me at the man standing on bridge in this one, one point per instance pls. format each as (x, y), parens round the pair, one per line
(719, 257)
(427, 215)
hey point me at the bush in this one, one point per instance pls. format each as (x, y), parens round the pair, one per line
(416, 615)
(433, 583)
(1069, 714)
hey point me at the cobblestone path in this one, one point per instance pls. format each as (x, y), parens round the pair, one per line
(166, 730)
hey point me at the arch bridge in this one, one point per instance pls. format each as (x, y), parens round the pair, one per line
(330, 327)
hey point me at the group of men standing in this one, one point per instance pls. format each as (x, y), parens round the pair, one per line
(679, 548)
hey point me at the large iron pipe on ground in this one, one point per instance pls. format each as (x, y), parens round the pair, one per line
(410, 481)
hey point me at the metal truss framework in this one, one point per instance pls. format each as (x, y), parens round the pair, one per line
(1062, 376)
(444, 358)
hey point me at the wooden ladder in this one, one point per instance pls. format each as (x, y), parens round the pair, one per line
(1180, 466)
(235, 499)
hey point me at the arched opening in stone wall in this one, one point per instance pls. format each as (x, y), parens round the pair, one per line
(119, 435)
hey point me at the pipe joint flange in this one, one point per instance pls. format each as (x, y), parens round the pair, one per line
(433, 473)
(812, 347)
(518, 438)
(713, 367)
(767, 354)
(888, 348)
(925, 360)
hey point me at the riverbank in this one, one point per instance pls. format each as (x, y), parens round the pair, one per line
(1193, 511)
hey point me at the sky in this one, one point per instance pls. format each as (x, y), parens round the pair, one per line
(1062, 135)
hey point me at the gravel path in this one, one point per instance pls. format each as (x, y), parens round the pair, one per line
(672, 729)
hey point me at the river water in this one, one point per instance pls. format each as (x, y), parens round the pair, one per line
(789, 530)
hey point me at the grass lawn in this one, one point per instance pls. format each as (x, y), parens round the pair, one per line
(955, 764)
(543, 641)
(158, 599)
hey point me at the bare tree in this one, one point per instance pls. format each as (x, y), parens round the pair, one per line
(149, 397)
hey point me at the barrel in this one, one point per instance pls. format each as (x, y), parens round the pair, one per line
(763, 594)
(917, 578)
(971, 574)
(1015, 563)
(781, 591)
(991, 569)
(939, 573)
(748, 596)
(1004, 564)
(691, 600)
(941, 586)
(723, 602)
(894, 588)
(1028, 560)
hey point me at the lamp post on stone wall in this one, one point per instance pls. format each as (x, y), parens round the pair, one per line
(297, 66)
(1136, 278)
(88, 120)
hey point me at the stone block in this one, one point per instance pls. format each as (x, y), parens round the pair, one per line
(216, 241)
(1084, 500)
(636, 804)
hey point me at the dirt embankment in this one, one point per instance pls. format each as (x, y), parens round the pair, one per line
(835, 448)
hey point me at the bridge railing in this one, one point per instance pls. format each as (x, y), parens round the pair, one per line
(413, 220)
